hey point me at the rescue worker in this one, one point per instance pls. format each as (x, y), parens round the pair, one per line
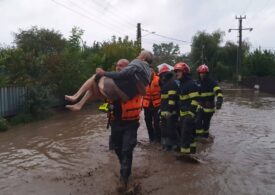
(168, 108)
(188, 96)
(124, 85)
(208, 89)
(151, 103)
(123, 117)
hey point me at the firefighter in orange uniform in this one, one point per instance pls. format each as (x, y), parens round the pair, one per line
(151, 104)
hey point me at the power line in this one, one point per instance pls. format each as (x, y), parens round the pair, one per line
(261, 9)
(119, 22)
(117, 15)
(147, 41)
(166, 37)
(85, 16)
(94, 15)
(157, 41)
(247, 6)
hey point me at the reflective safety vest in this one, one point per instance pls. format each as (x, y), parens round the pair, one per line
(130, 110)
(152, 93)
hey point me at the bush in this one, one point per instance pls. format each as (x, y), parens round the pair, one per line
(3, 124)
(21, 118)
(24, 118)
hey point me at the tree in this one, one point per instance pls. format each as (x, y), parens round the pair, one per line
(4, 55)
(204, 48)
(226, 65)
(260, 63)
(75, 39)
(27, 65)
(112, 51)
(165, 53)
(39, 41)
(50, 65)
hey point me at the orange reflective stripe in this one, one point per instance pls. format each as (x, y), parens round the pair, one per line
(156, 103)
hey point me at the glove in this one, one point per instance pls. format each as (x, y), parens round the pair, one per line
(164, 114)
(104, 107)
(219, 103)
(159, 112)
(199, 110)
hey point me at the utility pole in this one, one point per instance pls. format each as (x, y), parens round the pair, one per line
(202, 54)
(139, 36)
(239, 51)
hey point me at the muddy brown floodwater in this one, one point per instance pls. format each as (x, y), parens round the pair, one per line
(68, 154)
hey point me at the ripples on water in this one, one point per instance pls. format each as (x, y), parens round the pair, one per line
(244, 150)
(52, 146)
(241, 160)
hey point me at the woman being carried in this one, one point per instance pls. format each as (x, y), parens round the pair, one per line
(123, 85)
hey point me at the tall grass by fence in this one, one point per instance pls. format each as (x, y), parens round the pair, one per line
(12, 100)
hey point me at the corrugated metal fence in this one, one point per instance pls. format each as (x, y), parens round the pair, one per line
(12, 100)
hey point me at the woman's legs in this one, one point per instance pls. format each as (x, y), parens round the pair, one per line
(104, 88)
(84, 88)
(78, 106)
(92, 93)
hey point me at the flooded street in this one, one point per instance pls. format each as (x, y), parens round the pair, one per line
(68, 154)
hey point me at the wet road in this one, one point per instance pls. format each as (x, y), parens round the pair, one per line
(68, 154)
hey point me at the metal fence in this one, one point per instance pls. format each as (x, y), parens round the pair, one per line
(12, 100)
(266, 83)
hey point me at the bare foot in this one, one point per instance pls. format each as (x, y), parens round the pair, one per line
(70, 98)
(73, 107)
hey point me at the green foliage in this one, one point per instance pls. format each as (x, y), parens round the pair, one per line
(260, 63)
(4, 55)
(208, 44)
(223, 72)
(39, 41)
(27, 64)
(165, 53)
(22, 118)
(38, 99)
(116, 49)
(51, 66)
(206, 48)
(75, 39)
(3, 124)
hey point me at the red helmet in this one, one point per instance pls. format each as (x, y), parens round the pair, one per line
(182, 67)
(202, 69)
(164, 69)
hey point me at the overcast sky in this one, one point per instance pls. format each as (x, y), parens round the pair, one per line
(178, 19)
